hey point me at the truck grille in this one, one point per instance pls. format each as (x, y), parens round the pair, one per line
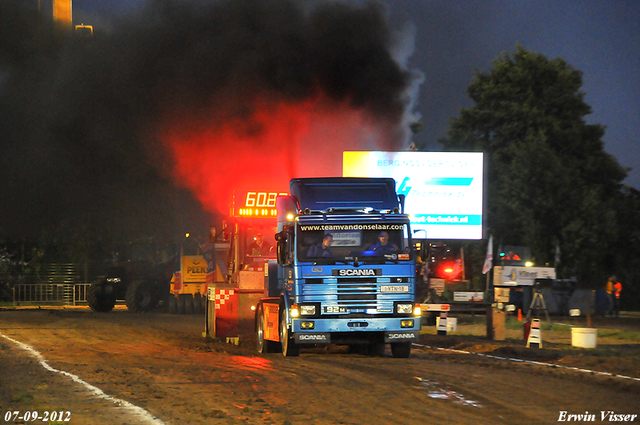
(360, 295)
(358, 280)
(357, 293)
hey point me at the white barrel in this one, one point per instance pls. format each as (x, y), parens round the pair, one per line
(584, 337)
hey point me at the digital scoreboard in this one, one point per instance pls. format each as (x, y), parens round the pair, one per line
(255, 204)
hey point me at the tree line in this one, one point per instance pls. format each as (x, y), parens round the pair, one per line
(550, 185)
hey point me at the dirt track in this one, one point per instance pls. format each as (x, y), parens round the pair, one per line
(160, 363)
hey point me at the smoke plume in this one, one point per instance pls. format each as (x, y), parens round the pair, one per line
(154, 123)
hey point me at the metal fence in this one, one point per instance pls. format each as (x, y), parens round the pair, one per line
(53, 284)
(50, 294)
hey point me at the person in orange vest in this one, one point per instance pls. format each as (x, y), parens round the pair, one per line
(512, 256)
(610, 296)
(617, 288)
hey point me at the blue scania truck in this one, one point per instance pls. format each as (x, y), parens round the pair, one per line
(345, 270)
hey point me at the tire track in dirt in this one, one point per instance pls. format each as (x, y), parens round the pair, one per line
(68, 395)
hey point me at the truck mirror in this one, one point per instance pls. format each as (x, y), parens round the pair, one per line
(282, 251)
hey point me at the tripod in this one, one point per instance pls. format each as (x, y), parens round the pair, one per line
(537, 303)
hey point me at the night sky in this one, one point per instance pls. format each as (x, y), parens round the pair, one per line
(599, 38)
(451, 38)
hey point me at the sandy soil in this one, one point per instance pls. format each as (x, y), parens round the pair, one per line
(161, 363)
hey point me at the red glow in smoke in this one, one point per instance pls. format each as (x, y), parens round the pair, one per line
(264, 150)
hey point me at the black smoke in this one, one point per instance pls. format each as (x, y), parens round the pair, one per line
(78, 116)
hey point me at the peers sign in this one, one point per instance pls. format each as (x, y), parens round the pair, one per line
(443, 190)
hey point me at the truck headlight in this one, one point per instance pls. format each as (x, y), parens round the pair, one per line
(307, 310)
(404, 308)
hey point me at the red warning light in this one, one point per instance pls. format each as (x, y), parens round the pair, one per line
(450, 270)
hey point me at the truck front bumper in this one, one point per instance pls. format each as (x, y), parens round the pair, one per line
(393, 329)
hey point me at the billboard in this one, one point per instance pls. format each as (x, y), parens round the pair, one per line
(521, 276)
(443, 190)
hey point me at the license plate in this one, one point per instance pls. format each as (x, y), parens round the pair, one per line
(394, 288)
(335, 309)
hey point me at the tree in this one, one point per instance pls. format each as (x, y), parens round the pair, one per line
(550, 181)
(625, 258)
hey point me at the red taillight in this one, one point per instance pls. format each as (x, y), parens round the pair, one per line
(449, 271)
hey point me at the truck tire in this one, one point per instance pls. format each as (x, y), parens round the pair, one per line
(173, 304)
(182, 303)
(140, 296)
(101, 296)
(203, 303)
(401, 350)
(198, 304)
(289, 347)
(188, 304)
(263, 345)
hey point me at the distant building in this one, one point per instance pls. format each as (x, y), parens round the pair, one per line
(62, 12)
(84, 31)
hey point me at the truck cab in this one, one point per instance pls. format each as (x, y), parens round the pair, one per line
(346, 269)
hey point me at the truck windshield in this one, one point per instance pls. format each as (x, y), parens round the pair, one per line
(343, 243)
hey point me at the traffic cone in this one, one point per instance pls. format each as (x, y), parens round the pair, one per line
(535, 335)
(442, 323)
(519, 315)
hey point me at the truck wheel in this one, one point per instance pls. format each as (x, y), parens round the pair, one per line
(173, 304)
(182, 303)
(401, 350)
(188, 303)
(289, 347)
(203, 303)
(140, 296)
(262, 345)
(163, 297)
(101, 296)
(198, 305)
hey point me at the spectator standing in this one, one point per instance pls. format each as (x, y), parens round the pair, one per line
(617, 287)
(610, 296)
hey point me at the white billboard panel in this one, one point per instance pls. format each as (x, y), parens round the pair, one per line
(521, 276)
(443, 190)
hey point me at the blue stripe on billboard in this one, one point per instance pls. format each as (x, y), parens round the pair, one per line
(449, 181)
